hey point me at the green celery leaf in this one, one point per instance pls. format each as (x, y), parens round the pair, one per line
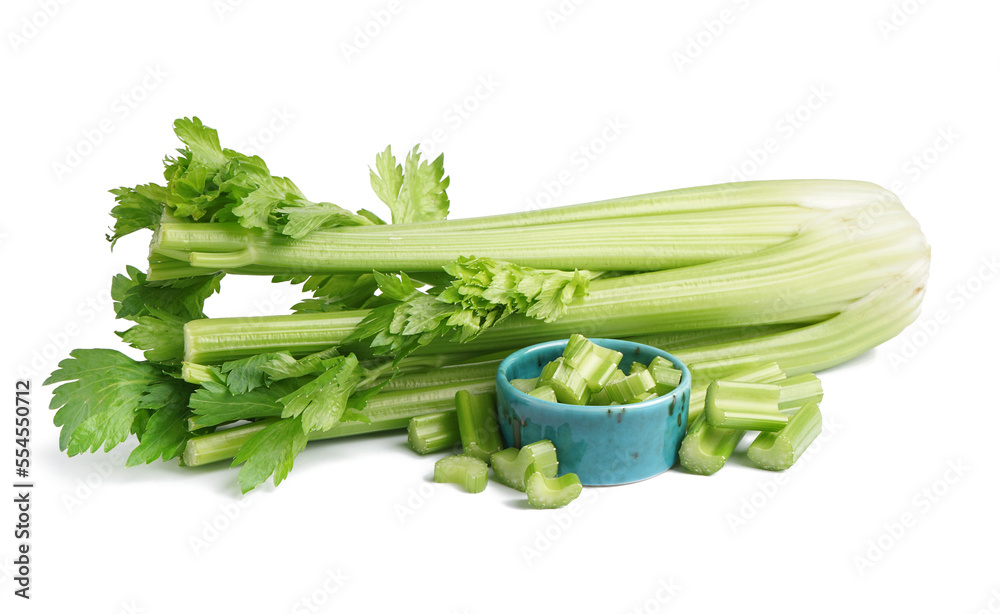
(160, 335)
(321, 402)
(185, 298)
(417, 194)
(245, 374)
(271, 451)
(483, 292)
(282, 366)
(100, 399)
(138, 208)
(201, 141)
(213, 404)
(166, 430)
(299, 217)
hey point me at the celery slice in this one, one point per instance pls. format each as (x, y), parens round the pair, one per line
(767, 373)
(545, 393)
(433, 432)
(667, 376)
(643, 397)
(593, 362)
(630, 387)
(570, 387)
(550, 493)
(525, 385)
(600, 398)
(637, 366)
(798, 391)
(779, 450)
(744, 405)
(705, 449)
(477, 424)
(468, 471)
(512, 466)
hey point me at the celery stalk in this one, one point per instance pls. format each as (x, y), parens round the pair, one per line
(705, 449)
(545, 393)
(525, 385)
(477, 424)
(512, 466)
(798, 391)
(744, 406)
(779, 450)
(549, 493)
(632, 386)
(386, 411)
(569, 385)
(468, 471)
(433, 432)
(594, 363)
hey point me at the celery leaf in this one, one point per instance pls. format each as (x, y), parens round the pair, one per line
(99, 398)
(271, 451)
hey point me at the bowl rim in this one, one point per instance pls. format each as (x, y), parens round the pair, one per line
(506, 388)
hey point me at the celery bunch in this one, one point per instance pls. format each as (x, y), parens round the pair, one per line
(401, 316)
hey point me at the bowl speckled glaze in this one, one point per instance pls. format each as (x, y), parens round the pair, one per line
(603, 445)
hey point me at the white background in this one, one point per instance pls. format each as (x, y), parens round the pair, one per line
(697, 89)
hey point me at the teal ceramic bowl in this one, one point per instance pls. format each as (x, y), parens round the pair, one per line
(603, 445)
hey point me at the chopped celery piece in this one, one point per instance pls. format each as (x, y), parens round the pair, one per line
(570, 387)
(667, 376)
(433, 432)
(744, 406)
(799, 390)
(631, 386)
(512, 466)
(706, 449)
(545, 393)
(600, 398)
(779, 450)
(767, 373)
(468, 471)
(477, 424)
(550, 493)
(637, 366)
(643, 397)
(525, 385)
(593, 362)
